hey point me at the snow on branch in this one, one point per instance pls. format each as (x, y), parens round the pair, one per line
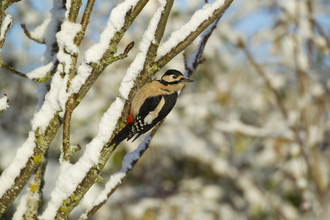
(8, 176)
(116, 179)
(71, 176)
(194, 59)
(139, 62)
(4, 103)
(115, 23)
(119, 21)
(4, 28)
(181, 38)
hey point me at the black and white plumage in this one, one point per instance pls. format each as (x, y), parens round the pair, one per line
(150, 105)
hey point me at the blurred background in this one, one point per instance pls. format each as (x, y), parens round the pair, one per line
(230, 149)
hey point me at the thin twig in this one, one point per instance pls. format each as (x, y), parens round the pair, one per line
(28, 34)
(200, 49)
(66, 129)
(152, 51)
(16, 72)
(84, 22)
(69, 105)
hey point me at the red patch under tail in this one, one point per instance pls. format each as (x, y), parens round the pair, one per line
(130, 119)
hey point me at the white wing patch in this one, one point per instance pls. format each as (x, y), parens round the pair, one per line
(153, 114)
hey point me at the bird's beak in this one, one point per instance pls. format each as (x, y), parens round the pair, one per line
(186, 80)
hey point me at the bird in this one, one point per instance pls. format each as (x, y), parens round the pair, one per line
(151, 104)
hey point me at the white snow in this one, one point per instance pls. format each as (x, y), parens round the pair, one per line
(137, 65)
(198, 18)
(51, 104)
(84, 71)
(4, 103)
(68, 7)
(40, 31)
(65, 43)
(195, 56)
(71, 175)
(40, 72)
(65, 37)
(95, 52)
(116, 178)
(7, 21)
(21, 208)
(132, 72)
(19, 161)
(48, 29)
(30, 195)
(115, 23)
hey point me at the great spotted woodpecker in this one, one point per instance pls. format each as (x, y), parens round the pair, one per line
(150, 105)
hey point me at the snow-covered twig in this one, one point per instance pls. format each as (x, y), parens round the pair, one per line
(28, 34)
(181, 38)
(194, 58)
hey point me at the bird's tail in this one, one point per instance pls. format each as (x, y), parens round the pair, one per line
(122, 135)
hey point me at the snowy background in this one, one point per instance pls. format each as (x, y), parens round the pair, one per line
(226, 151)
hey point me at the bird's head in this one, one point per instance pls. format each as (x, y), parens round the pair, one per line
(174, 77)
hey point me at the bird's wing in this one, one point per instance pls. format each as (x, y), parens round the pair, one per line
(150, 105)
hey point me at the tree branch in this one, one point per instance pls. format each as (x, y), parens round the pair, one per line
(16, 72)
(123, 173)
(42, 142)
(84, 22)
(74, 10)
(162, 61)
(28, 34)
(152, 51)
(145, 144)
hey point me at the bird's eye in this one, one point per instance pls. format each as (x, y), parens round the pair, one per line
(174, 77)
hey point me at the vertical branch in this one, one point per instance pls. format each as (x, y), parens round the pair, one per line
(152, 52)
(84, 22)
(34, 199)
(74, 10)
